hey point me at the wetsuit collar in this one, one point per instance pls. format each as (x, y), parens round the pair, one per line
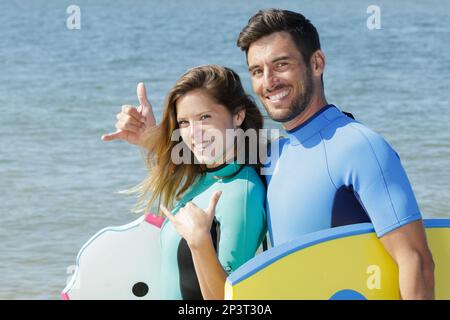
(314, 124)
(223, 170)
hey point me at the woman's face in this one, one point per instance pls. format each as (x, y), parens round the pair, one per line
(203, 127)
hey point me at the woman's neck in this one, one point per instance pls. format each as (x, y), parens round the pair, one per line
(227, 157)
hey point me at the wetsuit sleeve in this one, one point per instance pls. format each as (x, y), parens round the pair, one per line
(374, 171)
(241, 216)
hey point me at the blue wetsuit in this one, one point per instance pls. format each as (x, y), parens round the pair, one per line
(333, 171)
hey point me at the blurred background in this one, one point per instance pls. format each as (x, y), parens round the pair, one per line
(60, 90)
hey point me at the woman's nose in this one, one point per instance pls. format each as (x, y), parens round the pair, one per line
(196, 131)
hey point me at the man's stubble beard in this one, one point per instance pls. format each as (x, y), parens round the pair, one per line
(299, 104)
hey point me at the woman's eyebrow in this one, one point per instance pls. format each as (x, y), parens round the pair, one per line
(195, 115)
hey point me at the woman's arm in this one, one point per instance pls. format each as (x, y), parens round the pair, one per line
(194, 225)
(240, 236)
(210, 273)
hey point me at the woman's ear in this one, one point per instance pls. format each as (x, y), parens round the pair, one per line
(238, 118)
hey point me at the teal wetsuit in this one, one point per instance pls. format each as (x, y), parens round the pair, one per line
(237, 230)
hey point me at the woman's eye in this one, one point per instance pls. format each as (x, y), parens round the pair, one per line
(182, 123)
(205, 116)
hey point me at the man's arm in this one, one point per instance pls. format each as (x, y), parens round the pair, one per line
(407, 245)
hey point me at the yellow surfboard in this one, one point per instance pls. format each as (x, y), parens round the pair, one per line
(346, 262)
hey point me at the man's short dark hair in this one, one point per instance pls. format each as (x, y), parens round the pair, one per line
(266, 22)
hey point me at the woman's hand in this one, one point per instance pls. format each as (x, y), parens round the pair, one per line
(132, 121)
(193, 223)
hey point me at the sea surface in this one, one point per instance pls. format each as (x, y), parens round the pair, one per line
(61, 88)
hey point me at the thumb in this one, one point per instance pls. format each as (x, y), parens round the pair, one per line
(145, 107)
(213, 202)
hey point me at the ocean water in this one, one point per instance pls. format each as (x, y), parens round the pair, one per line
(60, 90)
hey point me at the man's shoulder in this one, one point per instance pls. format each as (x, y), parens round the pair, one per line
(352, 135)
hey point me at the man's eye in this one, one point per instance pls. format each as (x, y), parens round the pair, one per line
(256, 73)
(281, 64)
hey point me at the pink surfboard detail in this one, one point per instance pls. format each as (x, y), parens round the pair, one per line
(65, 296)
(154, 220)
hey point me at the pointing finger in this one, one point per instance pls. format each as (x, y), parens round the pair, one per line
(166, 212)
(213, 202)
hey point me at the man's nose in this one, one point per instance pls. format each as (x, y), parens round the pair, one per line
(270, 80)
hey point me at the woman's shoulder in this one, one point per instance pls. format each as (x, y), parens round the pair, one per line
(246, 181)
(244, 195)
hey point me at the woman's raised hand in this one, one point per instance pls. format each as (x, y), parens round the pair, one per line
(192, 223)
(133, 121)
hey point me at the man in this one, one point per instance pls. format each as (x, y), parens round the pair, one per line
(331, 170)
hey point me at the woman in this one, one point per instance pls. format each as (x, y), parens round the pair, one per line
(204, 238)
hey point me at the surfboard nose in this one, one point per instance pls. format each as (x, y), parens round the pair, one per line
(119, 263)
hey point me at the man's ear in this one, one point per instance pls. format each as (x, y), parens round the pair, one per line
(238, 118)
(318, 63)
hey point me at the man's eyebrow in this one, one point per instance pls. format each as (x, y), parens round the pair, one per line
(253, 67)
(273, 61)
(281, 58)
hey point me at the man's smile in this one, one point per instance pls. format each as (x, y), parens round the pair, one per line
(278, 95)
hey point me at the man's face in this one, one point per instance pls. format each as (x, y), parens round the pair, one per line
(280, 77)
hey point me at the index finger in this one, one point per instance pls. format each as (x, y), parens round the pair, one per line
(131, 111)
(213, 202)
(166, 212)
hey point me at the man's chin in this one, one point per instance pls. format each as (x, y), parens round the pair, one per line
(285, 116)
(277, 113)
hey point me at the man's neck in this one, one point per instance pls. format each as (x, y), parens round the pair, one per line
(314, 106)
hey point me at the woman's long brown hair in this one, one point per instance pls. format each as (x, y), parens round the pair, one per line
(166, 181)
